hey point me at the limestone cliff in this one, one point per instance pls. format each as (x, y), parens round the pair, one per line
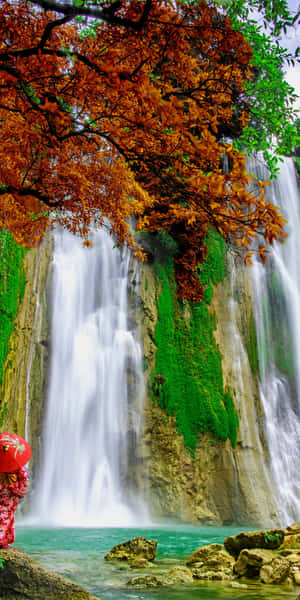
(220, 484)
(25, 372)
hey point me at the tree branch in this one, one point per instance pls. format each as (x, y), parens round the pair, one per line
(106, 14)
(29, 191)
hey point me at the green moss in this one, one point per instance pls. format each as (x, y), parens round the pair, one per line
(12, 285)
(187, 380)
(251, 346)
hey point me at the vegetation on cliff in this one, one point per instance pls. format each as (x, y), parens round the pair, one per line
(187, 380)
(12, 285)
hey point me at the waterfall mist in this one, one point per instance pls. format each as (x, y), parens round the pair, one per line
(94, 405)
(276, 296)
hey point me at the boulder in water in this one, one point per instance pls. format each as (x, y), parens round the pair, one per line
(140, 563)
(292, 529)
(145, 581)
(23, 578)
(269, 539)
(212, 556)
(292, 536)
(177, 575)
(266, 565)
(136, 548)
(203, 553)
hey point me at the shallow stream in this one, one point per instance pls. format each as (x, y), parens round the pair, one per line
(78, 554)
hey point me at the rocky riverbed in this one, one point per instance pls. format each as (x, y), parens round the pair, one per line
(264, 558)
(267, 556)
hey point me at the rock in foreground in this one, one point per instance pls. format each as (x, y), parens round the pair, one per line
(133, 549)
(269, 539)
(22, 578)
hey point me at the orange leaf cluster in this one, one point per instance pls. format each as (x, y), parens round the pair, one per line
(128, 124)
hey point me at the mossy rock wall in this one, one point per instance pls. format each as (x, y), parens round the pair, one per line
(220, 477)
(24, 381)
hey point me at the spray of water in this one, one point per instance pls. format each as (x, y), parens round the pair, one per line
(93, 417)
(276, 295)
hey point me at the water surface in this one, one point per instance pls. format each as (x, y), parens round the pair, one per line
(78, 554)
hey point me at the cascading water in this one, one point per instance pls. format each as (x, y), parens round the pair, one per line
(93, 417)
(276, 295)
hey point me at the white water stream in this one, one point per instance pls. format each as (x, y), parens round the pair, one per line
(276, 296)
(94, 406)
(93, 417)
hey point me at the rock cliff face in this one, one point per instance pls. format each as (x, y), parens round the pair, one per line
(25, 374)
(221, 485)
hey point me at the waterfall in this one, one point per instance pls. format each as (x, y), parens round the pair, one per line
(276, 296)
(94, 405)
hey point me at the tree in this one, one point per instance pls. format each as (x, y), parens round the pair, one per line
(130, 122)
(271, 126)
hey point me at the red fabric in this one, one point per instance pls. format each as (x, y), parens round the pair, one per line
(9, 495)
(15, 452)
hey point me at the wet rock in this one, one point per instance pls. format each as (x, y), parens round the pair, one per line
(290, 552)
(202, 574)
(212, 557)
(211, 562)
(250, 562)
(276, 572)
(292, 529)
(177, 575)
(203, 553)
(296, 579)
(269, 539)
(23, 578)
(145, 581)
(132, 549)
(291, 540)
(140, 563)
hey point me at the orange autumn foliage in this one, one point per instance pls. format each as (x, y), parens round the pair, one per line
(132, 123)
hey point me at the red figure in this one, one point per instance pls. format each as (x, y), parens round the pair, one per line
(10, 492)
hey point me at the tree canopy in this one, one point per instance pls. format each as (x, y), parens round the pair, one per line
(271, 127)
(129, 120)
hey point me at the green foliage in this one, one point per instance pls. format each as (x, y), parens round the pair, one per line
(251, 346)
(2, 563)
(3, 410)
(271, 128)
(274, 14)
(12, 285)
(297, 163)
(187, 380)
(271, 537)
